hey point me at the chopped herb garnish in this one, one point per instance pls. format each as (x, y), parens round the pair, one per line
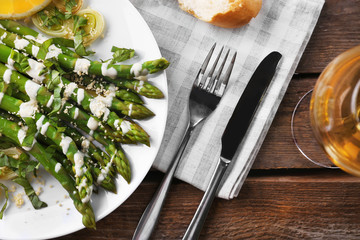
(52, 18)
(79, 34)
(121, 54)
(57, 101)
(30, 132)
(30, 192)
(79, 23)
(69, 5)
(21, 168)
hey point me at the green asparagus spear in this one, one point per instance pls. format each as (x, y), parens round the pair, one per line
(119, 158)
(144, 89)
(87, 146)
(84, 66)
(141, 87)
(96, 105)
(37, 38)
(25, 110)
(124, 94)
(33, 68)
(11, 130)
(55, 103)
(81, 164)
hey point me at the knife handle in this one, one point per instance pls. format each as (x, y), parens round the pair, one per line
(151, 214)
(196, 224)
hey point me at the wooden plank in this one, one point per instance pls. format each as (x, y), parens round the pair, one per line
(337, 30)
(305, 204)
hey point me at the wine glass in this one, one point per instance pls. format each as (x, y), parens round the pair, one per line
(334, 114)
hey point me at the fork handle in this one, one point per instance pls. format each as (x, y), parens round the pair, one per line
(194, 229)
(151, 214)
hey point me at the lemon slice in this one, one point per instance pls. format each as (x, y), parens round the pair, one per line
(17, 9)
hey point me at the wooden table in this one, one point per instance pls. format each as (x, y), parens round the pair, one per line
(285, 195)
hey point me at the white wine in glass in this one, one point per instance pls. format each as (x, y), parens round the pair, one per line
(335, 111)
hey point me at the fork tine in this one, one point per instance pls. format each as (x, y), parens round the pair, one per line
(211, 86)
(221, 85)
(204, 66)
(204, 82)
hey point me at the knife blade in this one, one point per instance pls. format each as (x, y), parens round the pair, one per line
(247, 105)
(234, 134)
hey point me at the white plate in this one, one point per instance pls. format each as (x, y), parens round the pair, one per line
(124, 28)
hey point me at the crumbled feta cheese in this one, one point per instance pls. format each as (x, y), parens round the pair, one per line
(116, 124)
(35, 70)
(76, 113)
(41, 38)
(136, 69)
(130, 109)
(35, 50)
(28, 109)
(10, 63)
(92, 124)
(69, 89)
(20, 43)
(79, 162)
(57, 167)
(82, 66)
(44, 128)
(7, 76)
(108, 72)
(53, 52)
(50, 102)
(30, 37)
(31, 89)
(125, 126)
(39, 123)
(21, 135)
(98, 106)
(3, 36)
(80, 95)
(106, 114)
(65, 143)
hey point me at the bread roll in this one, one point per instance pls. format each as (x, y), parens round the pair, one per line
(223, 13)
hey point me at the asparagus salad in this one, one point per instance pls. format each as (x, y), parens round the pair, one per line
(67, 113)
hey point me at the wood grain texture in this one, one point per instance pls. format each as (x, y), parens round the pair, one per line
(278, 149)
(336, 31)
(280, 205)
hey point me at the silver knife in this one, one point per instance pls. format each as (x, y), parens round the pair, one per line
(234, 134)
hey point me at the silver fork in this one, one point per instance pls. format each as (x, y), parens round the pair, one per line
(204, 97)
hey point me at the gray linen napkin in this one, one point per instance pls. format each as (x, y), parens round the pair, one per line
(281, 25)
